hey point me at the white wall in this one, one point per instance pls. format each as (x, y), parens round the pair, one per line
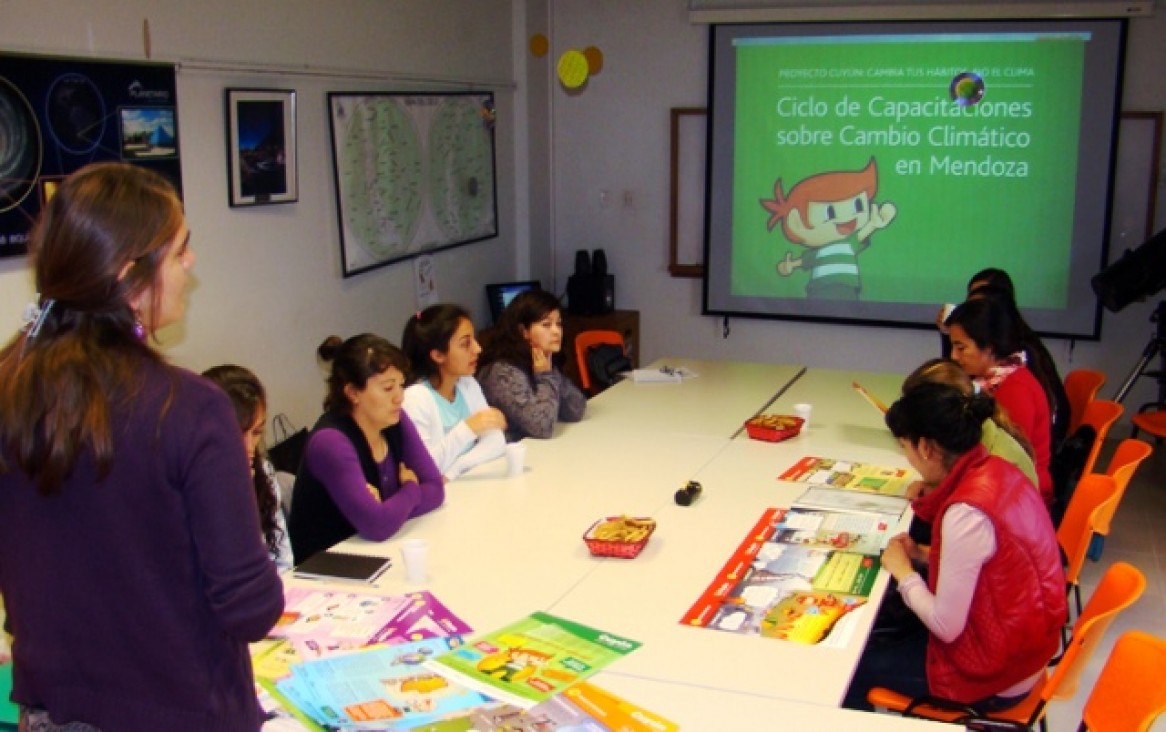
(268, 285)
(613, 138)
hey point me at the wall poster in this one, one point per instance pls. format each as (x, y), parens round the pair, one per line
(414, 174)
(60, 114)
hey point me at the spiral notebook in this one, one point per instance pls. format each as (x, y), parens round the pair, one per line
(341, 566)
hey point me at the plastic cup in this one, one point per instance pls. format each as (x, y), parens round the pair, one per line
(803, 410)
(415, 552)
(515, 458)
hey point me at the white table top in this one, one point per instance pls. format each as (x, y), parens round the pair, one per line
(646, 598)
(716, 402)
(503, 547)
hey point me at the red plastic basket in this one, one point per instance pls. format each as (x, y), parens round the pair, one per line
(773, 427)
(621, 549)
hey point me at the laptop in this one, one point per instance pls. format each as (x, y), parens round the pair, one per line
(499, 295)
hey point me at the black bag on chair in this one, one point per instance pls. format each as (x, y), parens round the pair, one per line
(287, 452)
(1066, 466)
(605, 363)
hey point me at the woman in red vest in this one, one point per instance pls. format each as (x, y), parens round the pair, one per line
(994, 598)
(987, 342)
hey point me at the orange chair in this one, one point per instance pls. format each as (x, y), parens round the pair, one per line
(1120, 586)
(585, 340)
(1126, 459)
(1129, 694)
(1076, 530)
(1081, 386)
(1153, 422)
(1100, 414)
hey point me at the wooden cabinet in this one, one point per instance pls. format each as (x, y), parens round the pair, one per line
(625, 322)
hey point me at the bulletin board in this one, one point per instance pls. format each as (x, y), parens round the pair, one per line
(60, 114)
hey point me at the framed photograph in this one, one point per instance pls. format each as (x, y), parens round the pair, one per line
(261, 146)
(414, 174)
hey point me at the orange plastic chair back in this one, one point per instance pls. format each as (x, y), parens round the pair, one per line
(1120, 586)
(1076, 529)
(1081, 386)
(1129, 693)
(1152, 422)
(1126, 459)
(585, 340)
(1100, 414)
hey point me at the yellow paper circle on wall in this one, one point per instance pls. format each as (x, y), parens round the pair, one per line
(572, 69)
(539, 45)
(594, 59)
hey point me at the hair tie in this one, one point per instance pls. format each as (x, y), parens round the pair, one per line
(418, 316)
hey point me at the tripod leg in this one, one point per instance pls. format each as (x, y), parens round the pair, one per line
(1148, 354)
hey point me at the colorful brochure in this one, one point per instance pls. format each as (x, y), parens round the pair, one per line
(382, 687)
(583, 707)
(320, 623)
(535, 658)
(850, 475)
(777, 586)
(825, 498)
(863, 533)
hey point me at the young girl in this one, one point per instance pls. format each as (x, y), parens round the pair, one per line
(250, 402)
(365, 469)
(444, 400)
(517, 373)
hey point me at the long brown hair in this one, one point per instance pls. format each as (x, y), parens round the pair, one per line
(509, 344)
(99, 242)
(948, 372)
(248, 397)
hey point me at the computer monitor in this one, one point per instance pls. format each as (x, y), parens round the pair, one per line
(499, 294)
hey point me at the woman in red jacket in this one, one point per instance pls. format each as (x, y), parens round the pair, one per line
(994, 598)
(986, 342)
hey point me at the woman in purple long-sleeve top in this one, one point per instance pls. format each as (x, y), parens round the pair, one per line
(365, 470)
(130, 555)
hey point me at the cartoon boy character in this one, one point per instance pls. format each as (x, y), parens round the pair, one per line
(833, 216)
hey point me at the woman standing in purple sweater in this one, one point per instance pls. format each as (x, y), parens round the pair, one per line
(365, 470)
(129, 561)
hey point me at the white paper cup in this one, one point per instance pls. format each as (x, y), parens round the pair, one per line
(515, 458)
(414, 552)
(803, 410)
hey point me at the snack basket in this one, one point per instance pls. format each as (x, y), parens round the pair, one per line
(615, 548)
(773, 427)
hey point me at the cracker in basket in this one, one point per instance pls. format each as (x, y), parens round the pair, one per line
(775, 421)
(623, 529)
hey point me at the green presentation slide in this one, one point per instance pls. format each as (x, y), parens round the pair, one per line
(905, 164)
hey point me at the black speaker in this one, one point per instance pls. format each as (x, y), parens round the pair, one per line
(591, 294)
(598, 262)
(583, 262)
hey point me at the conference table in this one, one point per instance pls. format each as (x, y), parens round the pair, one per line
(505, 546)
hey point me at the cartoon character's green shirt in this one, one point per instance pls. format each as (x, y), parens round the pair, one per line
(834, 270)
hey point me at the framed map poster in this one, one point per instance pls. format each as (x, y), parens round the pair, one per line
(414, 172)
(59, 114)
